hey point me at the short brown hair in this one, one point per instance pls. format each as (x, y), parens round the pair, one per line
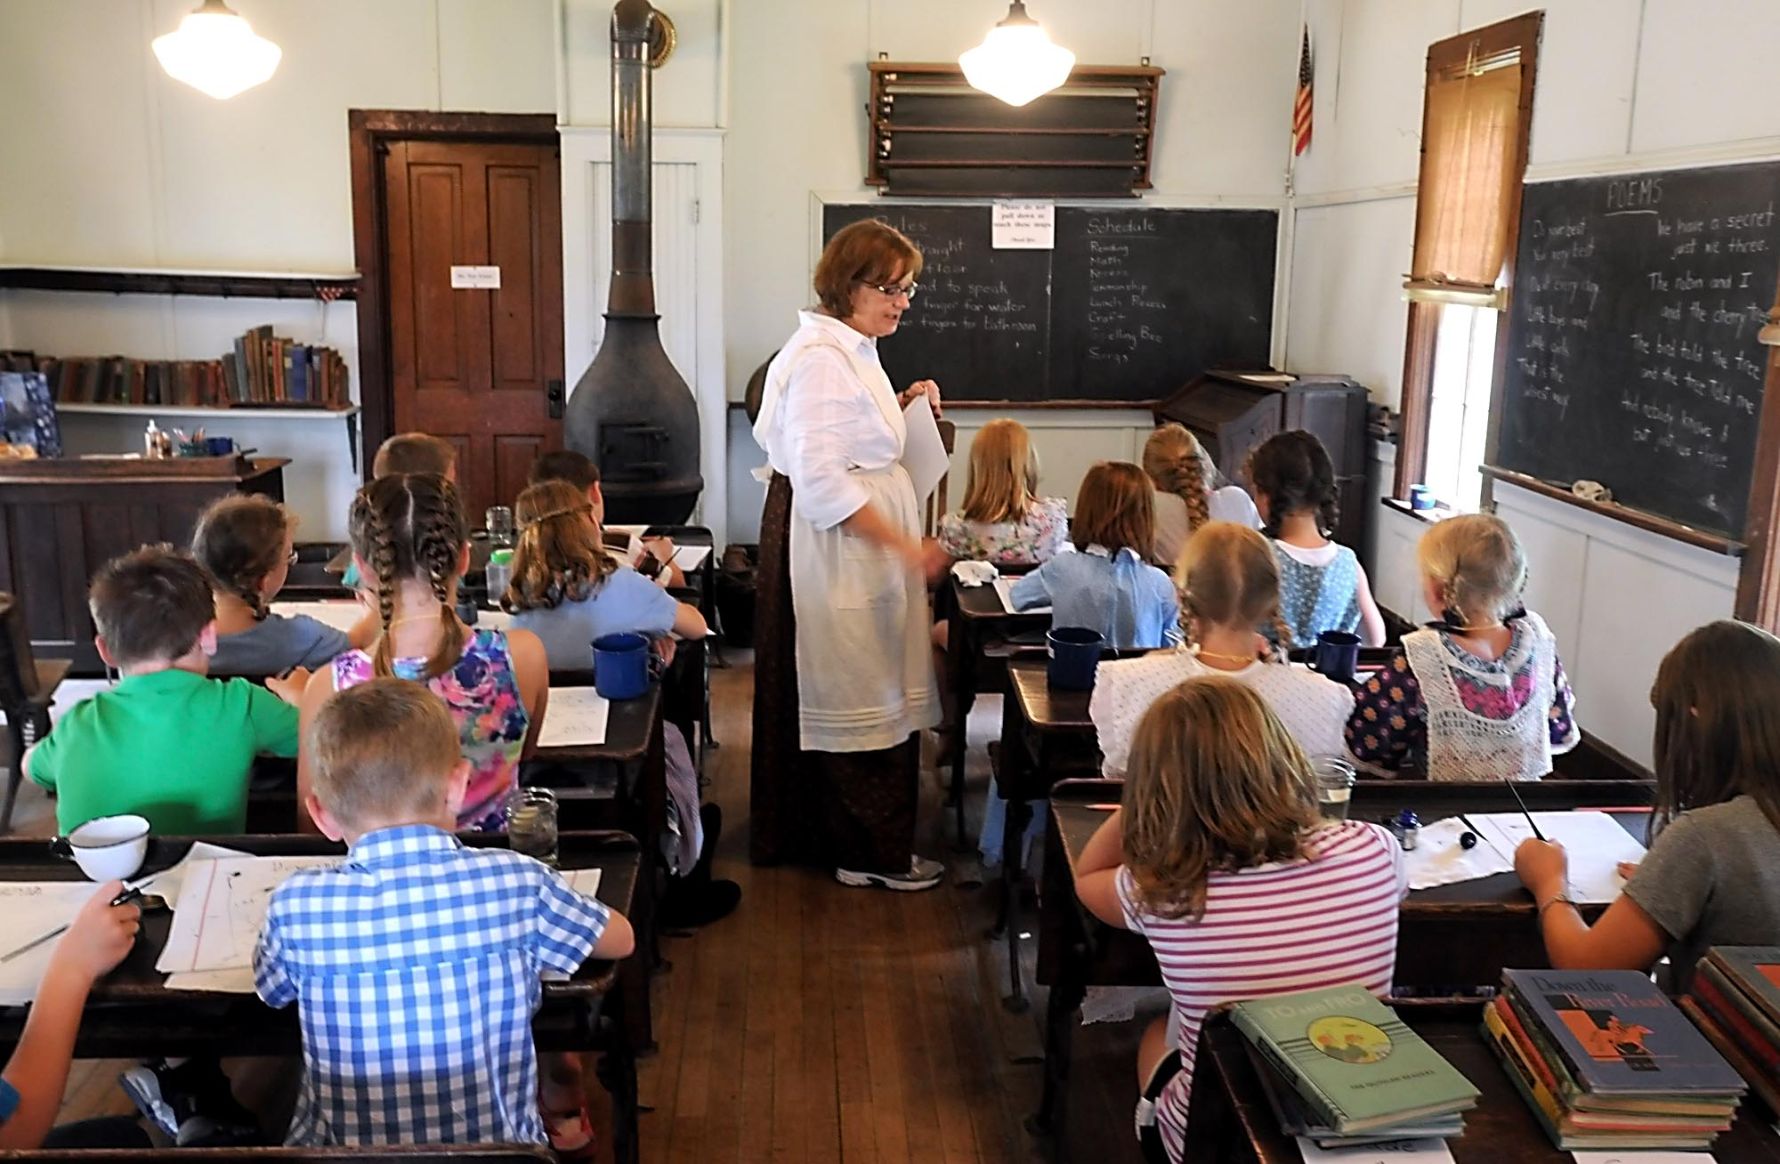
(1115, 508)
(1215, 783)
(868, 251)
(414, 452)
(239, 540)
(151, 604)
(566, 465)
(383, 749)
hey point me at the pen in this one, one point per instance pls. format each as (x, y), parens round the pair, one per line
(1534, 825)
(132, 892)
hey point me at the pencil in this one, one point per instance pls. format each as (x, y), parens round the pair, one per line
(1531, 823)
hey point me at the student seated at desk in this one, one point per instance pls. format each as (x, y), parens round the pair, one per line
(1479, 694)
(406, 452)
(410, 542)
(167, 742)
(1004, 521)
(36, 1076)
(1219, 858)
(1712, 876)
(1108, 585)
(245, 544)
(1322, 585)
(1187, 492)
(654, 559)
(415, 962)
(1229, 584)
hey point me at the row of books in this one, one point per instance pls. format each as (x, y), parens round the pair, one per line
(1735, 999)
(1608, 1062)
(1339, 1067)
(263, 370)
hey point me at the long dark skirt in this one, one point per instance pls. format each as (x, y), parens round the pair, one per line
(854, 810)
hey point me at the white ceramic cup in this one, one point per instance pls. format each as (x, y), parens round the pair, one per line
(107, 848)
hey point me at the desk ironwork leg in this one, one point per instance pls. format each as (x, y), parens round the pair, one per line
(960, 662)
(15, 726)
(1019, 815)
(617, 1073)
(1059, 1037)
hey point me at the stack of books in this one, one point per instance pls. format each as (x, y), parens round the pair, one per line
(1735, 1000)
(1341, 1068)
(1608, 1062)
(268, 369)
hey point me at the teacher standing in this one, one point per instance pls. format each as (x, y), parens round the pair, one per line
(843, 671)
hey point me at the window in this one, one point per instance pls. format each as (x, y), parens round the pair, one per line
(1475, 116)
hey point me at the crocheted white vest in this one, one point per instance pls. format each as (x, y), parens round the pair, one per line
(1463, 745)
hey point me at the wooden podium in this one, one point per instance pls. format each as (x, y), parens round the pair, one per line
(60, 520)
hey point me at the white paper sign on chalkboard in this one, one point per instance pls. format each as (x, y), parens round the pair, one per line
(1024, 226)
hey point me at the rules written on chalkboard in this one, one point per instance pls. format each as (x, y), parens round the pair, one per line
(1129, 305)
(1632, 350)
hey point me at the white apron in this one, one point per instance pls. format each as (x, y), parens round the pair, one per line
(864, 657)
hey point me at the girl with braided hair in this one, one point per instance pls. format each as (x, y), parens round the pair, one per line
(245, 544)
(1229, 586)
(1187, 491)
(1323, 587)
(411, 545)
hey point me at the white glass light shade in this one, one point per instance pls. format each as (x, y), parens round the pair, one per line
(1017, 61)
(215, 51)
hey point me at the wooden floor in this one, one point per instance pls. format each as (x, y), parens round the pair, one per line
(820, 1023)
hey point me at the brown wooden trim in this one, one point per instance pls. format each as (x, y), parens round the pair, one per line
(1717, 543)
(369, 133)
(1758, 586)
(1521, 32)
(217, 283)
(1080, 75)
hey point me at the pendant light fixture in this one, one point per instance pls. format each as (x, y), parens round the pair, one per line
(215, 51)
(1017, 61)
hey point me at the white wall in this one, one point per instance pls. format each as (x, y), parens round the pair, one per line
(1622, 85)
(116, 165)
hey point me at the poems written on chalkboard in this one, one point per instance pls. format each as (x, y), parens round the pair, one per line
(1127, 319)
(1674, 346)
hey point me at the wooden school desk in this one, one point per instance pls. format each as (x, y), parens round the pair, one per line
(978, 634)
(1452, 936)
(357, 1154)
(132, 1014)
(1230, 1122)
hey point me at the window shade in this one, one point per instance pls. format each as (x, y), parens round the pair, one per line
(1471, 134)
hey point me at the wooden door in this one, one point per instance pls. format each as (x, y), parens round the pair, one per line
(481, 368)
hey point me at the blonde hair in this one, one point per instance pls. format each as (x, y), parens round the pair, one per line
(1215, 783)
(1177, 463)
(383, 749)
(1478, 566)
(1228, 576)
(1115, 508)
(411, 526)
(561, 554)
(1003, 481)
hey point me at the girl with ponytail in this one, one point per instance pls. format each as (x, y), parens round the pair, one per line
(1187, 491)
(411, 545)
(1229, 585)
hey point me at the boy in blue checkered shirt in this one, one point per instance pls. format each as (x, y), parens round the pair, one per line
(415, 963)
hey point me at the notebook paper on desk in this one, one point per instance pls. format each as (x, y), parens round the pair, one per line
(691, 557)
(1593, 841)
(1004, 588)
(575, 718)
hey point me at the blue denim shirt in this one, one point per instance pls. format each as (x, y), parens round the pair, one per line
(1129, 601)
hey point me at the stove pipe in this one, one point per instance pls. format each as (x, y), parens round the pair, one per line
(631, 413)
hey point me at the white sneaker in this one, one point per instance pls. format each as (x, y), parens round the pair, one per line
(922, 874)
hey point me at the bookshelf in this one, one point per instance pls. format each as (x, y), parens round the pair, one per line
(328, 285)
(216, 415)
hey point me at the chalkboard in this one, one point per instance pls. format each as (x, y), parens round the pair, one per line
(1128, 306)
(1632, 351)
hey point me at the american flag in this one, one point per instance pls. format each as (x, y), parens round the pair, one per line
(1301, 106)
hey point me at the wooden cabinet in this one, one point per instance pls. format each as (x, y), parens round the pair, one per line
(1231, 412)
(60, 520)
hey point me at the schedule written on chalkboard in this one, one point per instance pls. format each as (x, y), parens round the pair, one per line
(1633, 357)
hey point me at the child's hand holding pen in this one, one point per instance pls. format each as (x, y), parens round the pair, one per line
(100, 934)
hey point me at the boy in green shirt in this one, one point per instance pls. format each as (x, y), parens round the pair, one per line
(167, 742)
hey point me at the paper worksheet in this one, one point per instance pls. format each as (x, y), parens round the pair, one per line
(923, 453)
(1594, 842)
(1440, 859)
(575, 717)
(1004, 589)
(691, 557)
(221, 907)
(239, 979)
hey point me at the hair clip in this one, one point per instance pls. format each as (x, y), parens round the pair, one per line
(544, 517)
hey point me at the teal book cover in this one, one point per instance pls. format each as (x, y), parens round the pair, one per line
(1352, 1060)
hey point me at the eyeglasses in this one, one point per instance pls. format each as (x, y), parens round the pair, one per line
(892, 290)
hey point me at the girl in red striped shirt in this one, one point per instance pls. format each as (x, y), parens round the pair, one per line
(1219, 858)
